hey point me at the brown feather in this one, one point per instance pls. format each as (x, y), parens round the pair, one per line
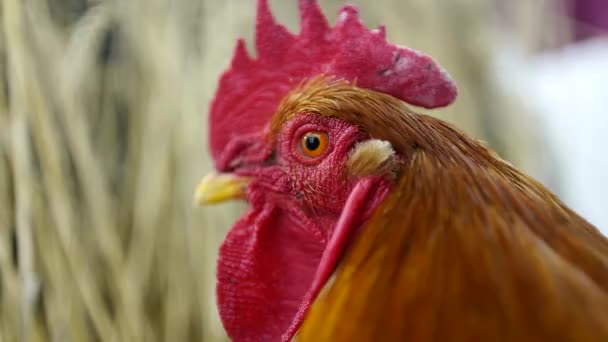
(465, 248)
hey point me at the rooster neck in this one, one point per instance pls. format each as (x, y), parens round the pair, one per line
(466, 248)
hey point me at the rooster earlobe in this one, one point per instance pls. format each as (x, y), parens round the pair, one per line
(372, 157)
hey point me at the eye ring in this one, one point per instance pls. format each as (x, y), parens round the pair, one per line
(313, 144)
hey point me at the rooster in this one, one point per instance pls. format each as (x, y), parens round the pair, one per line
(370, 222)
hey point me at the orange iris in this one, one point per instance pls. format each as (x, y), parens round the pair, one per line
(313, 144)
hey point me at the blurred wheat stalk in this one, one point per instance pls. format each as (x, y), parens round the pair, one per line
(102, 135)
(102, 143)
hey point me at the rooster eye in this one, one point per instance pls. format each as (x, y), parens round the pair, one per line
(313, 144)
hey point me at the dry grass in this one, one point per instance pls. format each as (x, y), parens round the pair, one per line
(102, 135)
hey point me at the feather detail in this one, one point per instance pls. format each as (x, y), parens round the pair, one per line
(372, 157)
(464, 248)
(462, 253)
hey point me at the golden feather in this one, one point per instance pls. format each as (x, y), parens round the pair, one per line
(465, 247)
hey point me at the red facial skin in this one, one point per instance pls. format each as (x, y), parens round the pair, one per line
(280, 253)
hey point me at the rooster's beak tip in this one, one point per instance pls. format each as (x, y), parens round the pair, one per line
(220, 187)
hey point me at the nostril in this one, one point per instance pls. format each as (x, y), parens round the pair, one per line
(235, 163)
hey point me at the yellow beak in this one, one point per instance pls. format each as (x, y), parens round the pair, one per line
(216, 188)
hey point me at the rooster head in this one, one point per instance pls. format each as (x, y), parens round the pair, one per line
(311, 177)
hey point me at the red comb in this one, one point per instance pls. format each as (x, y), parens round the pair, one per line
(250, 91)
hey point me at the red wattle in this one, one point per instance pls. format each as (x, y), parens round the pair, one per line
(266, 266)
(274, 262)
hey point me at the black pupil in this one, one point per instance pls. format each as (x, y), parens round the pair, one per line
(312, 142)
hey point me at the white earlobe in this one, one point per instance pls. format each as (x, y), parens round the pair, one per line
(371, 157)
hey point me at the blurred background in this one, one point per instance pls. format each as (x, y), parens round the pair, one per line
(103, 110)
